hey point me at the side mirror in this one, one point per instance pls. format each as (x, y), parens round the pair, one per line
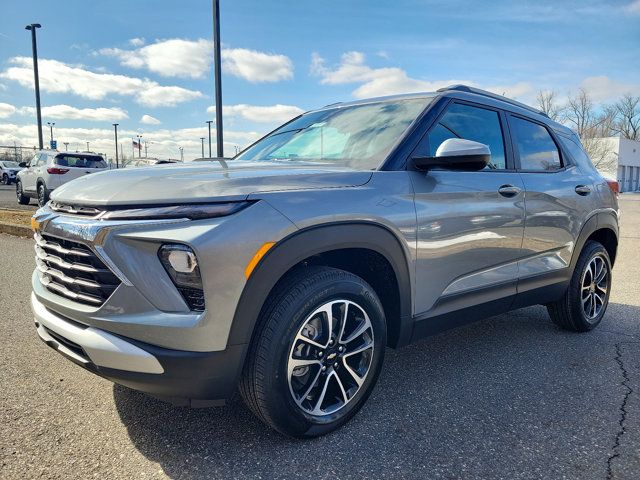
(22, 164)
(456, 154)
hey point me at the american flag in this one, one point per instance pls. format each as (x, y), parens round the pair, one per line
(137, 145)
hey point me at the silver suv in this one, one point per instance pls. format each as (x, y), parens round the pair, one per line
(286, 271)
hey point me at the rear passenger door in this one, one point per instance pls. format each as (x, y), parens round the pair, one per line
(559, 198)
(470, 224)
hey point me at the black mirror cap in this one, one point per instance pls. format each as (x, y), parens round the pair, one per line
(469, 163)
(22, 164)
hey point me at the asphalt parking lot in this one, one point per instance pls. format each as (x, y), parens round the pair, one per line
(508, 397)
(8, 199)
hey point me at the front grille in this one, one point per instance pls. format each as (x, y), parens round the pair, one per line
(71, 269)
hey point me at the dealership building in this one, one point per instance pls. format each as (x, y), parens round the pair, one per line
(623, 162)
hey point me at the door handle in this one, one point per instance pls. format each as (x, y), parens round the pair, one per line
(583, 190)
(508, 191)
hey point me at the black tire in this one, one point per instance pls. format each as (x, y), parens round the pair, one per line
(572, 312)
(5, 179)
(267, 386)
(43, 194)
(22, 198)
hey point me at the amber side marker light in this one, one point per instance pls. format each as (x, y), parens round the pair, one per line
(614, 186)
(262, 251)
(34, 224)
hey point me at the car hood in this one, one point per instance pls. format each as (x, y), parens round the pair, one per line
(202, 182)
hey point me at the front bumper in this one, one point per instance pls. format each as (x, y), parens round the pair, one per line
(180, 377)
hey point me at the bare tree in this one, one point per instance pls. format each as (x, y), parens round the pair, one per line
(547, 102)
(581, 115)
(627, 118)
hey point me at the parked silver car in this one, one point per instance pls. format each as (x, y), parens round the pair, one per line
(286, 271)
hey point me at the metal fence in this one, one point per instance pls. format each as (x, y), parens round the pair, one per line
(16, 153)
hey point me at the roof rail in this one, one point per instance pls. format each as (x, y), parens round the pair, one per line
(502, 98)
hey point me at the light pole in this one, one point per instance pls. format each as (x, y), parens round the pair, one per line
(51, 124)
(202, 141)
(139, 146)
(181, 153)
(36, 79)
(66, 146)
(209, 122)
(115, 131)
(217, 71)
(88, 147)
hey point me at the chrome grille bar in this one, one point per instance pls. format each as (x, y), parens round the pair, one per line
(72, 270)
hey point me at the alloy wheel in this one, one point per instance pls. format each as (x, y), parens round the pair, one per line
(330, 357)
(594, 287)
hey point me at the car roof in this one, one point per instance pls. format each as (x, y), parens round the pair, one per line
(465, 92)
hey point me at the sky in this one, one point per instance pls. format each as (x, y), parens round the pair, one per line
(147, 65)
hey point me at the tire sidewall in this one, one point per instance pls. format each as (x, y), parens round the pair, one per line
(281, 404)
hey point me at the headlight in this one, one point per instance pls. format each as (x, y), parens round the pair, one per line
(192, 212)
(182, 266)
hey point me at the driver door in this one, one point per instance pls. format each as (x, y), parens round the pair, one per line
(470, 224)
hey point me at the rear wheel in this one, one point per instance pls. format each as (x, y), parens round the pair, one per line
(317, 352)
(585, 301)
(5, 179)
(43, 195)
(22, 198)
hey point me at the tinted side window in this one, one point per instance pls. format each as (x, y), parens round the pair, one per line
(536, 148)
(471, 123)
(577, 152)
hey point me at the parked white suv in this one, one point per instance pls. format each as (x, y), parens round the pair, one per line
(8, 171)
(49, 169)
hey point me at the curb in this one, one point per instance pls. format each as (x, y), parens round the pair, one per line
(16, 230)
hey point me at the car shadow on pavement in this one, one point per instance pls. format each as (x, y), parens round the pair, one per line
(496, 399)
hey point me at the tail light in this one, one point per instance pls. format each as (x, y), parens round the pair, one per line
(614, 186)
(57, 171)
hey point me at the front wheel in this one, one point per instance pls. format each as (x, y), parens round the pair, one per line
(585, 302)
(317, 352)
(5, 179)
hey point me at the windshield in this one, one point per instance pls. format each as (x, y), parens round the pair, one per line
(10, 164)
(358, 136)
(80, 161)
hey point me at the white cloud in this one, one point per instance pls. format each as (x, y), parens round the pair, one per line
(633, 7)
(603, 88)
(374, 81)
(67, 112)
(58, 77)
(177, 57)
(256, 66)
(137, 42)
(261, 114)
(6, 110)
(149, 120)
(169, 58)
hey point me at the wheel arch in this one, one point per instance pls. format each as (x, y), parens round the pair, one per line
(601, 227)
(350, 246)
